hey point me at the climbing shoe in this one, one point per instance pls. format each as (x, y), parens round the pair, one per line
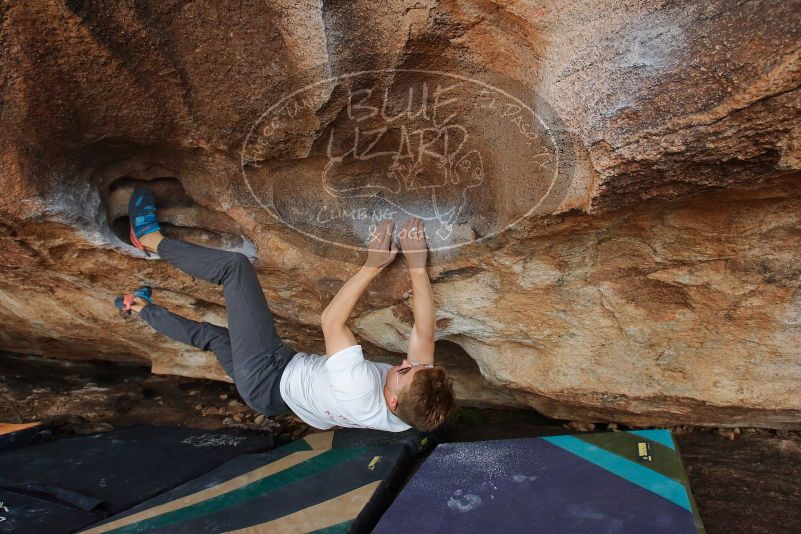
(124, 302)
(142, 216)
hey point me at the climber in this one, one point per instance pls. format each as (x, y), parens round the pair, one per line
(340, 389)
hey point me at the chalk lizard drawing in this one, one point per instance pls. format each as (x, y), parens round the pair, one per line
(430, 163)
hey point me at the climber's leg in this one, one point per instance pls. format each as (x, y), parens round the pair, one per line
(205, 336)
(259, 356)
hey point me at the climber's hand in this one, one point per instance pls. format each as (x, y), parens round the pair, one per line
(381, 251)
(413, 243)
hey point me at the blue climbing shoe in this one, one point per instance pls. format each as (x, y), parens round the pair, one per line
(124, 302)
(142, 215)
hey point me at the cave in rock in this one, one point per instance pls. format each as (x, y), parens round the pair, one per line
(181, 217)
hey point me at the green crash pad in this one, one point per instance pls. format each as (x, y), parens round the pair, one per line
(328, 482)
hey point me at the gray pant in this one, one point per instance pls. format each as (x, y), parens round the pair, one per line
(249, 350)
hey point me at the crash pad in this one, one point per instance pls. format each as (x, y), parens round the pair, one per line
(33, 513)
(621, 482)
(103, 474)
(312, 484)
(414, 441)
(16, 435)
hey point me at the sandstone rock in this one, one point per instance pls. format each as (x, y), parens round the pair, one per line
(580, 426)
(650, 276)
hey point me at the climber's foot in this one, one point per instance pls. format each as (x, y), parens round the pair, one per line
(143, 220)
(134, 301)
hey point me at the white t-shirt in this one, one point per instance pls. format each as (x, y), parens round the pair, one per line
(343, 389)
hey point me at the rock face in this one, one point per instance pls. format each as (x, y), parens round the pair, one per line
(611, 189)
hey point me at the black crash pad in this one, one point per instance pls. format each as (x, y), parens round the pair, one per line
(89, 477)
(16, 435)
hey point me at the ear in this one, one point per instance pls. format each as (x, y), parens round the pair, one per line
(393, 404)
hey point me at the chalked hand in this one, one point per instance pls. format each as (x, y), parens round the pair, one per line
(413, 243)
(381, 251)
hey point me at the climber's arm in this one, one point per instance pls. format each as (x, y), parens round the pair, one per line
(421, 340)
(334, 318)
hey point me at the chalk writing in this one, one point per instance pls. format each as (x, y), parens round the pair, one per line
(213, 440)
(467, 157)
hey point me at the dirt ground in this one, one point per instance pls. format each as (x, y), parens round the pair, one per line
(744, 480)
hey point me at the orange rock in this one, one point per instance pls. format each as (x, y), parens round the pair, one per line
(633, 256)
